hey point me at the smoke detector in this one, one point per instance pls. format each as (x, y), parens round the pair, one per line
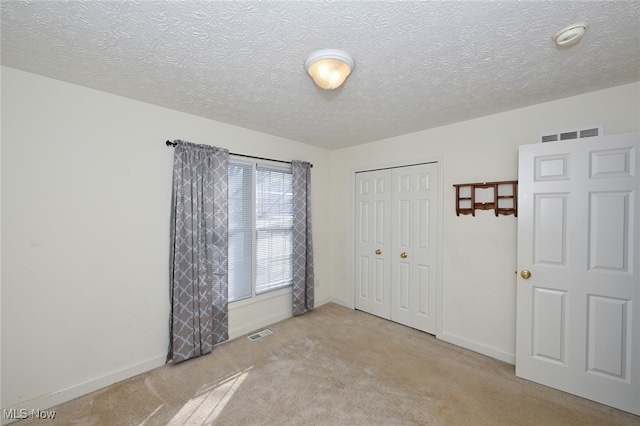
(570, 34)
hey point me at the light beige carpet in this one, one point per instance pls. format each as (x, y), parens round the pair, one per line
(335, 366)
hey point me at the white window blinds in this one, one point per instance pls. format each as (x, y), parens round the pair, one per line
(274, 228)
(240, 230)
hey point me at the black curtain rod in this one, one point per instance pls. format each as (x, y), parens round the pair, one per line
(169, 143)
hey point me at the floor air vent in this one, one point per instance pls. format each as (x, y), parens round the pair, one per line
(260, 334)
(573, 134)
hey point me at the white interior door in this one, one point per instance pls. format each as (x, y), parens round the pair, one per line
(578, 227)
(414, 200)
(373, 243)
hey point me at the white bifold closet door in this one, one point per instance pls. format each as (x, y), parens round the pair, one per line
(373, 243)
(396, 255)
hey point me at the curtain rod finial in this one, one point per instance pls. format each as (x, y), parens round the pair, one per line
(169, 143)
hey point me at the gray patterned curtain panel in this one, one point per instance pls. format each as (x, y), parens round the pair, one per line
(199, 242)
(302, 240)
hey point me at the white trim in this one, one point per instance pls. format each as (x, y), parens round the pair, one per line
(477, 347)
(258, 298)
(67, 394)
(273, 167)
(439, 245)
(346, 303)
(352, 229)
(318, 302)
(396, 164)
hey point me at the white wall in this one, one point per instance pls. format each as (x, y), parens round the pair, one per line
(86, 192)
(479, 253)
(85, 214)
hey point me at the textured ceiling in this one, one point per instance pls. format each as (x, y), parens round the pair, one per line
(419, 65)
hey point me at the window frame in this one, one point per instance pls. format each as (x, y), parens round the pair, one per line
(248, 225)
(255, 294)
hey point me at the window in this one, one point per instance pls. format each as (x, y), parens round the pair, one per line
(274, 229)
(260, 234)
(240, 219)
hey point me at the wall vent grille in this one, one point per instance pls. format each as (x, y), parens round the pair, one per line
(568, 135)
(587, 133)
(573, 134)
(260, 334)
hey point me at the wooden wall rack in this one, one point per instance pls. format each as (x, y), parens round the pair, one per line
(505, 198)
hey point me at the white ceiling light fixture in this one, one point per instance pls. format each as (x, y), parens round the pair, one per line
(570, 34)
(329, 67)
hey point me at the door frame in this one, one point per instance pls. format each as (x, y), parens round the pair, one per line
(439, 160)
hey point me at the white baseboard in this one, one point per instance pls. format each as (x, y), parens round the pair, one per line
(341, 302)
(477, 347)
(58, 397)
(318, 303)
(45, 402)
(455, 340)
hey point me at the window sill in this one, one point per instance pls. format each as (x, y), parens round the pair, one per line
(259, 298)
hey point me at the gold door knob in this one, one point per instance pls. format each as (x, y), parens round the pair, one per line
(404, 255)
(378, 251)
(525, 274)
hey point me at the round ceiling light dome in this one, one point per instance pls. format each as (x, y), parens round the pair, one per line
(329, 67)
(570, 34)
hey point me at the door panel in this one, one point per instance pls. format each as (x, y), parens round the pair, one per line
(373, 271)
(402, 239)
(607, 346)
(413, 292)
(424, 291)
(379, 282)
(424, 230)
(362, 283)
(550, 229)
(577, 233)
(549, 325)
(609, 220)
(402, 313)
(424, 250)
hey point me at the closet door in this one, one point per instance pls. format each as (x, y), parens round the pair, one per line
(414, 254)
(373, 243)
